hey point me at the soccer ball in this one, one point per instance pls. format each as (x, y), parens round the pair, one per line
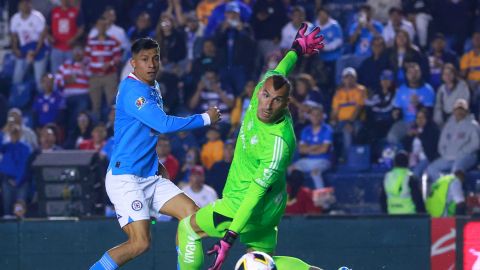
(255, 261)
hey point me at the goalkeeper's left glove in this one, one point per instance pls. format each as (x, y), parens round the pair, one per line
(221, 248)
(307, 44)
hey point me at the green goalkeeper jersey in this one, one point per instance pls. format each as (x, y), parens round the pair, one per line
(255, 190)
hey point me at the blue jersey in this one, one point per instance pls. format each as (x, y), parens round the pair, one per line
(324, 135)
(403, 100)
(139, 118)
(48, 107)
(333, 35)
(363, 46)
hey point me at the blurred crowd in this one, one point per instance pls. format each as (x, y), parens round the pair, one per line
(393, 75)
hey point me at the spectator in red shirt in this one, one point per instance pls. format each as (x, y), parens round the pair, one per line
(103, 54)
(112, 29)
(300, 198)
(65, 25)
(166, 158)
(72, 80)
(99, 136)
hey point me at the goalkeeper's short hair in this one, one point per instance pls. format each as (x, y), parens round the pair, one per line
(280, 81)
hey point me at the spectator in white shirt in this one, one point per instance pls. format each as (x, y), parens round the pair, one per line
(289, 31)
(396, 22)
(27, 30)
(197, 190)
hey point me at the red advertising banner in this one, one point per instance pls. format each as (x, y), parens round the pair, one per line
(471, 246)
(443, 244)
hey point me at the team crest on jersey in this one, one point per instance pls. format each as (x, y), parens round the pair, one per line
(137, 205)
(140, 102)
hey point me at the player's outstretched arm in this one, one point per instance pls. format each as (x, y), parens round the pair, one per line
(146, 111)
(272, 166)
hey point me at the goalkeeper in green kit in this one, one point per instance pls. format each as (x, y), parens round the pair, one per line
(254, 197)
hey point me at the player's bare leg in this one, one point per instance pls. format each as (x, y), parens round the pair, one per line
(138, 242)
(179, 207)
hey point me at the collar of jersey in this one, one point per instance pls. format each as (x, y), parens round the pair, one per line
(279, 121)
(132, 76)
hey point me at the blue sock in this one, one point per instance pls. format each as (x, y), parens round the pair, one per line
(105, 263)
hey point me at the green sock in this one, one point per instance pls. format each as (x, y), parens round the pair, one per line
(289, 263)
(190, 250)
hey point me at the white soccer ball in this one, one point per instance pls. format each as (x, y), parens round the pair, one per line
(256, 261)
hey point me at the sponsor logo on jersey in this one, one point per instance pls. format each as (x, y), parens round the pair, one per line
(190, 250)
(137, 205)
(140, 102)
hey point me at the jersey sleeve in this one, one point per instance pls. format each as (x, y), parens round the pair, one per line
(273, 161)
(287, 64)
(146, 110)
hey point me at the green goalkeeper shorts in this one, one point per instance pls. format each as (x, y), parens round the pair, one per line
(215, 218)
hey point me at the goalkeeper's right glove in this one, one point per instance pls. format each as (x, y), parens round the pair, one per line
(307, 44)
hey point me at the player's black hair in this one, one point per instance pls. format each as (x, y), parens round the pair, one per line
(280, 81)
(401, 159)
(144, 44)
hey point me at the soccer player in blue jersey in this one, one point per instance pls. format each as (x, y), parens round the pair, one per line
(134, 182)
